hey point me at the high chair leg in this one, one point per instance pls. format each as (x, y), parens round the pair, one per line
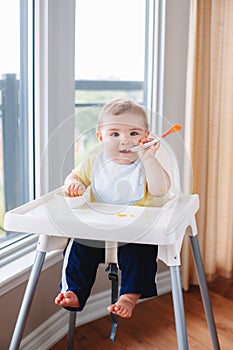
(178, 305)
(72, 319)
(27, 300)
(204, 291)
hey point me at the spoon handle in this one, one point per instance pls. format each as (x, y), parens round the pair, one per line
(174, 128)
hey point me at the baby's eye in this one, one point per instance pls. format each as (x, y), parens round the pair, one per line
(134, 133)
(115, 134)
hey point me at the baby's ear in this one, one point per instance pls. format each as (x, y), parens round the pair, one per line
(99, 135)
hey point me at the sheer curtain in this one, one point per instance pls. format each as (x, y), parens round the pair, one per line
(210, 108)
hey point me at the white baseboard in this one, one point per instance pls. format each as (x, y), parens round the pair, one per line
(163, 280)
(56, 327)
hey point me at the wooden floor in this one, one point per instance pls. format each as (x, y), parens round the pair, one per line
(152, 325)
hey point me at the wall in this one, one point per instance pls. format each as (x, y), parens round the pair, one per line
(43, 306)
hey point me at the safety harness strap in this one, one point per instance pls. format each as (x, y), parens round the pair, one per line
(113, 276)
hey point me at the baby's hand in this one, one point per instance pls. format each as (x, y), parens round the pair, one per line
(146, 153)
(75, 189)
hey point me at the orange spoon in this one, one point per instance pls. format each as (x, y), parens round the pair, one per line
(174, 128)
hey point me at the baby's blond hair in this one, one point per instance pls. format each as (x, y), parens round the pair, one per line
(119, 106)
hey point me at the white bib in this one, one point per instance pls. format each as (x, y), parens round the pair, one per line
(117, 183)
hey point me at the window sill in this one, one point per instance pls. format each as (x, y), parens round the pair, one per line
(17, 271)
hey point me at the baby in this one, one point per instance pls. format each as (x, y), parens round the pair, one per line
(116, 175)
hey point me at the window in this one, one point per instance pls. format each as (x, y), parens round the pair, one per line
(116, 55)
(16, 112)
(109, 61)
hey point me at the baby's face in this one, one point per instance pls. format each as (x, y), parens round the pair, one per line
(120, 133)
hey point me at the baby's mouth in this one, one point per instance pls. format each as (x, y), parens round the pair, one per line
(124, 151)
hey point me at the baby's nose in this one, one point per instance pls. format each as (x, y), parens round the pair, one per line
(124, 141)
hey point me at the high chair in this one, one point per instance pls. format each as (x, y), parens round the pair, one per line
(165, 226)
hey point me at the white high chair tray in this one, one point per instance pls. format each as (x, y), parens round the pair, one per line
(50, 215)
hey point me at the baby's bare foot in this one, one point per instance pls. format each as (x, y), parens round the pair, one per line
(125, 305)
(67, 299)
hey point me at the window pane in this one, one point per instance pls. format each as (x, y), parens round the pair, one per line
(110, 39)
(14, 108)
(109, 60)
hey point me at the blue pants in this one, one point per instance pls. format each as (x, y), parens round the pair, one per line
(137, 263)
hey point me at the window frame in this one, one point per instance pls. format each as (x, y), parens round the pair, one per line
(154, 62)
